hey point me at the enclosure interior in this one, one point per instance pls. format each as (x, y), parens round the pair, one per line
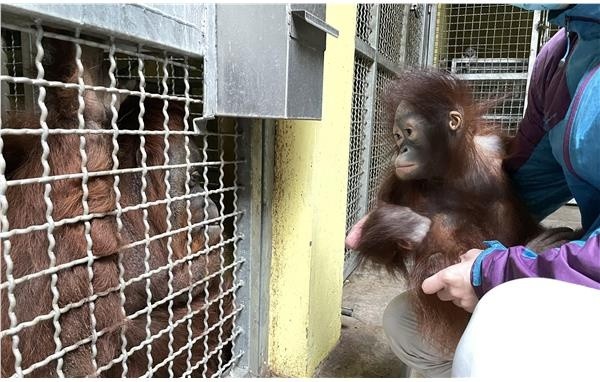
(115, 152)
(490, 46)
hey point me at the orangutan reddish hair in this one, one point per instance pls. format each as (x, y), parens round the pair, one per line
(29, 251)
(445, 194)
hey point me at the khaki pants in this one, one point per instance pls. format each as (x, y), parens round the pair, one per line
(538, 328)
(400, 326)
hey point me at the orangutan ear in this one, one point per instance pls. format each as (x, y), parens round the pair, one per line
(455, 120)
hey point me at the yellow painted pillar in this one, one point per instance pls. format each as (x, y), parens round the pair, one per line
(309, 216)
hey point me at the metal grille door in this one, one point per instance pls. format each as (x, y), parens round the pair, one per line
(382, 48)
(120, 209)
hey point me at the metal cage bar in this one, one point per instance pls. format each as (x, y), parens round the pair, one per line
(415, 34)
(359, 141)
(120, 210)
(382, 143)
(388, 37)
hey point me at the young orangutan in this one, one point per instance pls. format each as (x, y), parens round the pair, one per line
(446, 194)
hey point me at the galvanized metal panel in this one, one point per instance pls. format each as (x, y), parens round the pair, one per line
(255, 200)
(251, 71)
(177, 27)
(270, 65)
(305, 82)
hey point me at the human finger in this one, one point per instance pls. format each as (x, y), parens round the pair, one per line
(470, 254)
(467, 304)
(432, 284)
(445, 294)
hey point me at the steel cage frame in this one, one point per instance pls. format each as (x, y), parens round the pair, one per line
(246, 218)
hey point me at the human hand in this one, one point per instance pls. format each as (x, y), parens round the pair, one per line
(454, 282)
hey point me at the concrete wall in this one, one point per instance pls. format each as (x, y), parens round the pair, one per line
(309, 208)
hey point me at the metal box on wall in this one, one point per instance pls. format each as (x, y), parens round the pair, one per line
(269, 60)
(260, 60)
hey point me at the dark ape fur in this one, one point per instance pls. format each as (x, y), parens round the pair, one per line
(29, 251)
(467, 198)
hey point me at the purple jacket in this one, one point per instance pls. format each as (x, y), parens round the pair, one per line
(556, 157)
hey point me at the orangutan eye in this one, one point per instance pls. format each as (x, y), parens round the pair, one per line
(408, 131)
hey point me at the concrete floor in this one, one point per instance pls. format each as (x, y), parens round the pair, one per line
(362, 350)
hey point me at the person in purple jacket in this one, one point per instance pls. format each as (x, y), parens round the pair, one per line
(546, 323)
(534, 314)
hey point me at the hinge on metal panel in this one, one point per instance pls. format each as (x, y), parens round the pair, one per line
(414, 8)
(542, 26)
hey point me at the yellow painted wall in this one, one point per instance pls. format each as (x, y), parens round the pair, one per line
(309, 216)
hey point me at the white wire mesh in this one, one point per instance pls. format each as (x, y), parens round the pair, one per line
(84, 202)
(489, 45)
(382, 144)
(414, 35)
(364, 22)
(116, 260)
(389, 40)
(483, 31)
(358, 132)
(508, 111)
(16, 97)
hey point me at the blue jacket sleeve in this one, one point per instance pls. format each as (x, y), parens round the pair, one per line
(546, 171)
